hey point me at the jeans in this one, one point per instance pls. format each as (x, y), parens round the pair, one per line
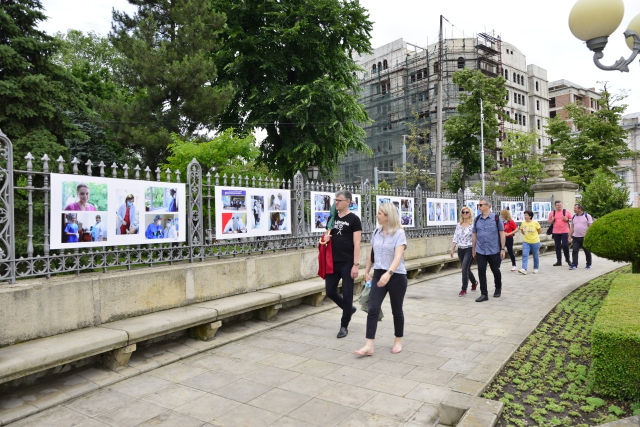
(345, 302)
(578, 242)
(534, 249)
(466, 258)
(562, 245)
(494, 263)
(397, 287)
(509, 243)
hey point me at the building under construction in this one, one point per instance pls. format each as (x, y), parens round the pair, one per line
(400, 80)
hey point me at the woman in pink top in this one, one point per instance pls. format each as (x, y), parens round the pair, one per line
(82, 191)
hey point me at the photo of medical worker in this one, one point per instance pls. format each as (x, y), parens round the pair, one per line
(406, 205)
(257, 211)
(83, 227)
(234, 223)
(278, 201)
(160, 199)
(431, 209)
(84, 196)
(354, 206)
(127, 214)
(322, 202)
(234, 203)
(277, 221)
(170, 230)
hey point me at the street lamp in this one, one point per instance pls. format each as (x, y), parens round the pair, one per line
(313, 173)
(593, 21)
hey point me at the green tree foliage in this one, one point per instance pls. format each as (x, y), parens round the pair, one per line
(37, 94)
(291, 64)
(604, 194)
(599, 142)
(614, 236)
(462, 131)
(418, 157)
(523, 167)
(168, 70)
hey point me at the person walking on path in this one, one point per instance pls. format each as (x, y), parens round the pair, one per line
(488, 248)
(389, 276)
(560, 222)
(510, 229)
(463, 240)
(345, 242)
(531, 231)
(580, 222)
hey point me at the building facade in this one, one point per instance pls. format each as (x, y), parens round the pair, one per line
(628, 169)
(564, 92)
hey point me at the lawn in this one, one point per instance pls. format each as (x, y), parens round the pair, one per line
(546, 382)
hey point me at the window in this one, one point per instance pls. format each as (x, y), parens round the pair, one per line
(506, 72)
(519, 99)
(514, 77)
(552, 114)
(537, 105)
(413, 78)
(524, 120)
(515, 97)
(373, 69)
(519, 119)
(436, 67)
(552, 102)
(379, 66)
(507, 97)
(384, 65)
(420, 75)
(538, 124)
(539, 144)
(461, 62)
(536, 86)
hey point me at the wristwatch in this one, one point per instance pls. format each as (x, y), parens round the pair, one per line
(390, 272)
(503, 249)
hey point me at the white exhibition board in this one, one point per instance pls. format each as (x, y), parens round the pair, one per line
(541, 210)
(321, 202)
(516, 208)
(88, 211)
(442, 212)
(473, 205)
(252, 212)
(405, 207)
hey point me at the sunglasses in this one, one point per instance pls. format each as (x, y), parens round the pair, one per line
(482, 204)
(465, 212)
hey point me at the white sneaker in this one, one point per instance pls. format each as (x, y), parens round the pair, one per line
(514, 268)
(535, 271)
(522, 271)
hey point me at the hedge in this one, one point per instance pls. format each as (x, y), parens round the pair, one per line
(615, 366)
(615, 236)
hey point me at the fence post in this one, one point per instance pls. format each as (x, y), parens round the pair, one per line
(417, 206)
(460, 197)
(298, 217)
(365, 200)
(194, 201)
(7, 227)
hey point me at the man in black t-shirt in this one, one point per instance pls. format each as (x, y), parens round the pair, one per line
(345, 245)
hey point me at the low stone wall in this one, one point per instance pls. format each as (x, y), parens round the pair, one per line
(39, 308)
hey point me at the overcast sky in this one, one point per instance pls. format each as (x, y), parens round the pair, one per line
(538, 29)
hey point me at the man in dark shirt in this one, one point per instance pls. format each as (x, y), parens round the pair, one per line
(345, 245)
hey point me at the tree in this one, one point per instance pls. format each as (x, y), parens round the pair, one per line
(169, 73)
(37, 94)
(604, 194)
(291, 65)
(614, 237)
(598, 143)
(523, 167)
(418, 156)
(462, 131)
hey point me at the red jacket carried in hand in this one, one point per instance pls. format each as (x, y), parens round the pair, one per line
(325, 257)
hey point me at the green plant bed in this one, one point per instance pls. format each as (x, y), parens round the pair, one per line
(616, 340)
(547, 381)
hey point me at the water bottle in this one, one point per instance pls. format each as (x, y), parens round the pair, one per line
(368, 284)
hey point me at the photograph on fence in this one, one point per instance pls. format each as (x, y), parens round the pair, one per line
(321, 202)
(473, 205)
(516, 208)
(442, 212)
(251, 212)
(404, 205)
(541, 210)
(112, 208)
(161, 226)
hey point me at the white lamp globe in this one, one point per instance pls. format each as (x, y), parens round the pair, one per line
(634, 25)
(590, 19)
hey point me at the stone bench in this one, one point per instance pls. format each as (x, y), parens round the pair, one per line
(545, 245)
(432, 264)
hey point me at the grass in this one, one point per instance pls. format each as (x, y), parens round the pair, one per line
(546, 382)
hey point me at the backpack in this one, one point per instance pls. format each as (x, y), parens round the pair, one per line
(497, 218)
(584, 214)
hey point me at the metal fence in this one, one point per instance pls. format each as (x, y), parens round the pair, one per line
(38, 260)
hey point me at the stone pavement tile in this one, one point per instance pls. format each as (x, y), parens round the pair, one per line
(177, 372)
(426, 360)
(284, 361)
(516, 339)
(101, 376)
(242, 390)
(505, 349)
(132, 414)
(55, 417)
(141, 385)
(139, 362)
(15, 409)
(491, 359)
(482, 347)
(347, 395)
(459, 366)
(455, 353)
(325, 354)
(321, 413)
(430, 376)
(355, 361)
(173, 396)
(171, 419)
(392, 368)
(295, 348)
(72, 385)
(299, 337)
(428, 393)
(159, 354)
(307, 385)
(454, 342)
(421, 347)
(246, 416)
(238, 368)
(482, 373)
(92, 422)
(254, 354)
(464, 385)
(368, 419)
(327, 341)
(280, 401)
(209, 381)
(41, 396)
(391, 384)
(207, 407)
(421, 338)
(353, 376)
(427, 415)
(392, 406)
(317, 368)
(209, 361)
(290, 422)
(272, 376)
(99, 401)
(383, 352)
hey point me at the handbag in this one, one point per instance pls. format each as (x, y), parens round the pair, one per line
(550, 230)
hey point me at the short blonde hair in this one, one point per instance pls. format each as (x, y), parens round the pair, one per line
(505, 214)
(470, 220)
(391, 212)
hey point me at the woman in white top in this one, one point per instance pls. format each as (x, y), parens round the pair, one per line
(389, 275)
(463, 239)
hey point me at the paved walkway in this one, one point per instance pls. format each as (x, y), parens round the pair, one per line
(299, 374)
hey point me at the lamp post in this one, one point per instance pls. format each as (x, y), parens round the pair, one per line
(313, 172)
(404, 160)
(482, 145)
(593, 21)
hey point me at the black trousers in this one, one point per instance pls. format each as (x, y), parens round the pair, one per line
(396, 287)
(562, 245)
(494, 264)
(345, 302)
(466, 259)
(578, 242)
(509, 244)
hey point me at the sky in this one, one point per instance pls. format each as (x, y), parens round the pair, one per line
(538, 29)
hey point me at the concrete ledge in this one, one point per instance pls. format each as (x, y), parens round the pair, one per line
(480, 412)
(237, 304)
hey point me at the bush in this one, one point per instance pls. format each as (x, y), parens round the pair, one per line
(604, 195)
(615, 366)
(615, 237)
